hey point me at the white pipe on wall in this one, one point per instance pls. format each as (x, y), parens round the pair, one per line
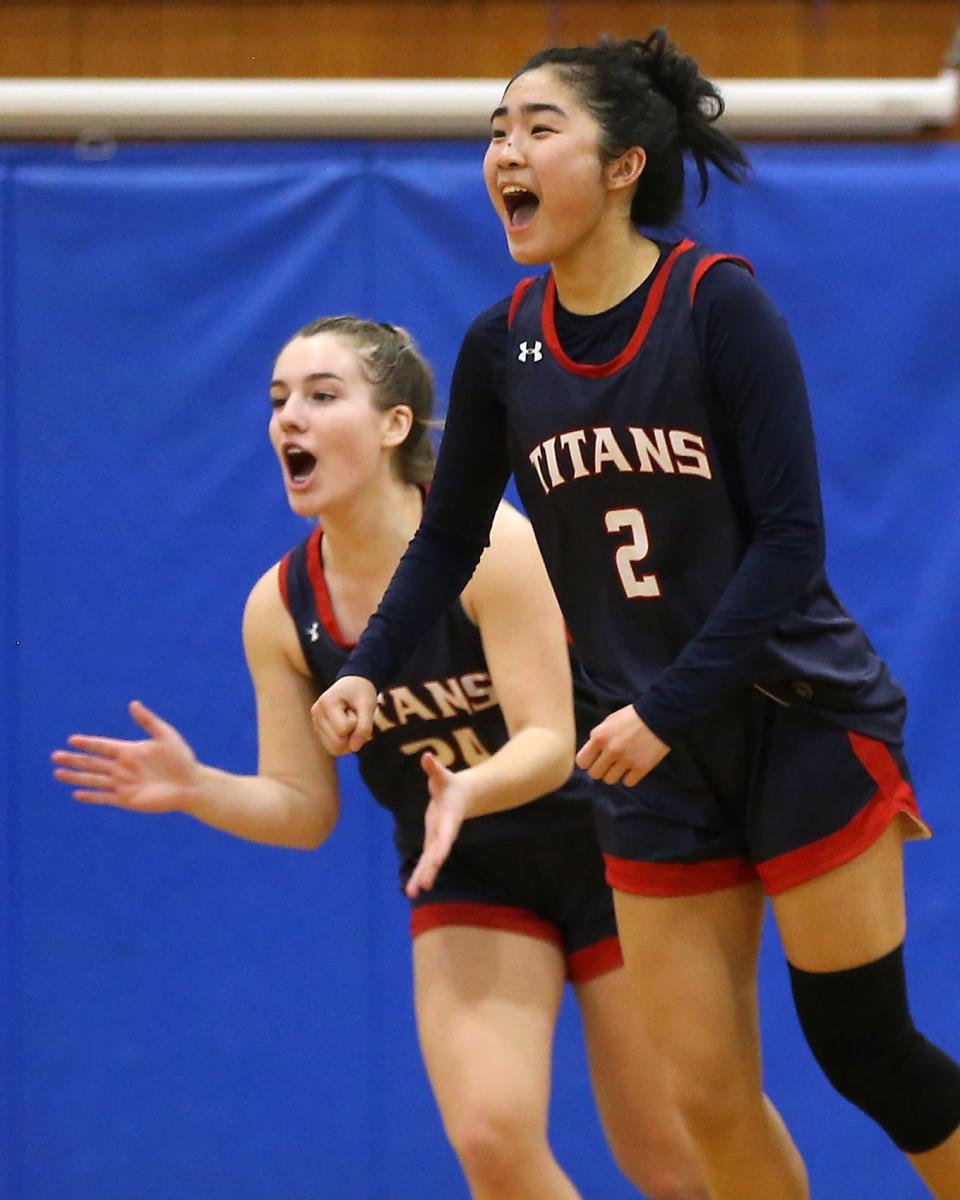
(117, 108)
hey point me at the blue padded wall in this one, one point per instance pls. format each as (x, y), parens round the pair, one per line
(186, 1015)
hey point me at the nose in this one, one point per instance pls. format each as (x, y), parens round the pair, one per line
(291, 414)
(509, 153)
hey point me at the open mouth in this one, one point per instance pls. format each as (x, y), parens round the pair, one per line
(300, 464)
(520, 204)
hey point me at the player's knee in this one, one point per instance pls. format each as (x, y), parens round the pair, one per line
(672, 1187)
(858, 1025)
(710, 1098)
(660, 1162)
(661, 1182)
(493, 1147)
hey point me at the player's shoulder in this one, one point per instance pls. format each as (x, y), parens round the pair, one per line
(487, 332)
(265, 598)
(730, 302)
(269, 635)
(483, 351)
(292, 567)
(266, 619)
(724, 277)
(490, 329)
(512, 549)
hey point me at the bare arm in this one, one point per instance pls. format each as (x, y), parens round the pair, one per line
(524, 642)
(291, 801)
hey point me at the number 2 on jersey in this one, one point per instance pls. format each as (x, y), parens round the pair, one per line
(632, 552)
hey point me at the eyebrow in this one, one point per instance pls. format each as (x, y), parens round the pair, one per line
(309, 378)
(528, 109)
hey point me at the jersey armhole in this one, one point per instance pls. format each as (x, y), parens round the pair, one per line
(704, 265)
(282, 580)
(518, 294)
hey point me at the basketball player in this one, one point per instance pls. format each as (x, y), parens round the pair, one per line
(648, 398)
(485, 706)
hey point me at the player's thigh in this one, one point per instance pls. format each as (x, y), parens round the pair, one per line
(691, 963)
(630, 1081)
(851, 915)
(486, 1004)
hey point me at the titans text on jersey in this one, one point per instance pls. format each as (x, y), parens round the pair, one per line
(581, 452)
(443, 700)
(434, 699)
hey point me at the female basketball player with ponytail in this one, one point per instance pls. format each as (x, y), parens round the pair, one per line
(520, 904)
(648, 398)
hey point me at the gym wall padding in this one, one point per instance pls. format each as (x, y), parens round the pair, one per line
(184, 1015)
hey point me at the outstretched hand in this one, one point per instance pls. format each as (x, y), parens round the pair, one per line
(449, 798)
(621, 749)
(153, 774)
(343, 715)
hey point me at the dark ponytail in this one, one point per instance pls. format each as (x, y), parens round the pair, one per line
(646, 93)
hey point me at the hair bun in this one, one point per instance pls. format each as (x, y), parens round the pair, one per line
(646, 93)
(677, 77)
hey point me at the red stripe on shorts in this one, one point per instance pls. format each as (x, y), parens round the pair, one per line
(677, 879)
(593, 961)
(485, 916)
(894, 796)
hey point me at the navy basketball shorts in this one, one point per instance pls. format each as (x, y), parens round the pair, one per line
(757, 791)
(546, 884)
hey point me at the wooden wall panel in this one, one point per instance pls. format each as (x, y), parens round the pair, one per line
(119, 39)
(413, 38)
(745, 37)
(298, 38)
(40, 39)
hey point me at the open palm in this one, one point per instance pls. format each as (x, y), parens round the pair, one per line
(152, 774)
(445, 814)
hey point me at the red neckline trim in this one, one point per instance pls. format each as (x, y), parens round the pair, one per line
(629, 352)
(518, 294)
(321, 593)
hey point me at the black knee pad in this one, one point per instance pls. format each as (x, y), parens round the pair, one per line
(858, 1025)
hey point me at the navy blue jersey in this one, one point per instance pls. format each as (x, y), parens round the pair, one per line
(631, 474)
(442, 700)
(665, 451)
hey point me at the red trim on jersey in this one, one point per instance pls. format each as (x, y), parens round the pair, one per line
(283, 581)
(704, 265)
(518, 294)
(321, 593)
(677, 879)
(638, 337)
(894, 796)
(485, 916)
(593, 961)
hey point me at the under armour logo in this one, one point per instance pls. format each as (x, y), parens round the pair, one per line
(314, 632)
(536, 350)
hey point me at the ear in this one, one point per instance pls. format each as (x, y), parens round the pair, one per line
(623, 172)
(397, 423)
